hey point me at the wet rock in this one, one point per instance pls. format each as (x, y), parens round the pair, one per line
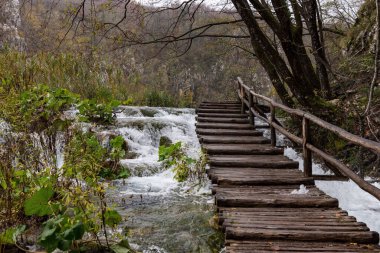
(148, 112)
(165, 141)
(131, 155)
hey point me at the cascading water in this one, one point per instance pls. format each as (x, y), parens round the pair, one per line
(161, 215)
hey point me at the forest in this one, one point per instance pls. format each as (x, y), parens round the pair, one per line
(98, 149)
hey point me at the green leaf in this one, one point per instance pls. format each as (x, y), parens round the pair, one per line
(112, 217)
(125, 173)
(64, 244)
(122, 247)
(9, 236)
(19, 230)
(38, 204)
(74, 233)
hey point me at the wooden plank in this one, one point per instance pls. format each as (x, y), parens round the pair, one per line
(223, 120)
(238, 149)
(225, 139)
(230, 132)
(204, 125)
(222, 115)
(274, 201)
(208, 110)
(261, 181)
(258, 161)
(278, 211)
(321, 236)
(297, 246)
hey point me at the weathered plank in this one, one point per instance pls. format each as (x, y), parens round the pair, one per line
(258, 161)
(223, 120)
(234, 246)
(230, 132)
(239, 149)
(225, 139)
(223, 126)
(222, 115)
(292, 234)
(220, 110)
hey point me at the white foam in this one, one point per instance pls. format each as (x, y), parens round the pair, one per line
(301, 190)
(143, 134)
(159, 184)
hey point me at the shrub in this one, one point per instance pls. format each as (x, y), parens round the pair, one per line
(90, 110)
(184, 167)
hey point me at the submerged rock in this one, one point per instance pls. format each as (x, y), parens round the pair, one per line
(165, 141)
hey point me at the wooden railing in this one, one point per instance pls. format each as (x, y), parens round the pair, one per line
(249, 101)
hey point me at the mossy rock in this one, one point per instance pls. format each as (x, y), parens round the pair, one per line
(165, 141)
(131, 155)
(147, 112)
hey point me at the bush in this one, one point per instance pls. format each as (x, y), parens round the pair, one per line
(38, 108)
(184, 167)
(155, 98)
(90, 110)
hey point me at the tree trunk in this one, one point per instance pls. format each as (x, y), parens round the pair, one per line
(310, 15)
(301, 78)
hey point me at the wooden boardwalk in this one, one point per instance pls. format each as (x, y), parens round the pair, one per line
(257, 193)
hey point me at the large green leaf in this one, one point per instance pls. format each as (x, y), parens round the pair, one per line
(38, 204)
(76, 232)
(120, 249)
(9, 236)
(112, 217)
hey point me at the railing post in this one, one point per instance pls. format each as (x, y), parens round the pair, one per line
(307, 156)
(272, 129)
(251, 115)
(242, 100)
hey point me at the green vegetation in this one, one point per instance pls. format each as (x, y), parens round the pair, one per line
(184, 167)
(91, 111)
(95, 79)
(65, 202)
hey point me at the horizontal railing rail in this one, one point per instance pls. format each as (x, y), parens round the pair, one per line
(249, 101)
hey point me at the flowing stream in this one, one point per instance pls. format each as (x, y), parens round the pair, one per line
(162, 215)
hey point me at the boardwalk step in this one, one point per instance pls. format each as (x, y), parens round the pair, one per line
(242, 149)
(267, 196)
(221, 103)
(209, 110)
(294, 234)
(254, 246)
(223, 126)
(221, 106)
(222, 115)
(224, 120)
(231, 132)
(234, 139)
(254, 161)
(244, 176)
